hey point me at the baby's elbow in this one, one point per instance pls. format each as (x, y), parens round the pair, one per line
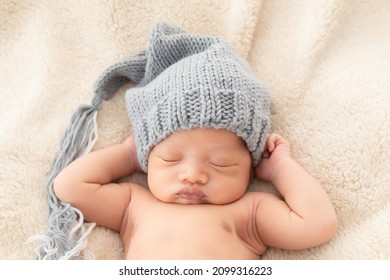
(328, 227)
(61, 188)
(332, 224)
(58, 187)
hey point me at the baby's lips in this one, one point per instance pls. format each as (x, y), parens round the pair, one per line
(191, 194)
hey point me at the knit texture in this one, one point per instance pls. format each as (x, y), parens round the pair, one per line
(190, 81)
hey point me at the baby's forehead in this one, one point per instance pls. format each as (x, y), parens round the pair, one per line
(211, 138)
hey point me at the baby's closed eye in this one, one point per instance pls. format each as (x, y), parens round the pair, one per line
(170, 159)
(222, 164)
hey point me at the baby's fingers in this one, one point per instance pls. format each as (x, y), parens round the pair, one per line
(271, 140)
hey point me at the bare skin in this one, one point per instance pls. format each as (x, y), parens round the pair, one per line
(197, 206)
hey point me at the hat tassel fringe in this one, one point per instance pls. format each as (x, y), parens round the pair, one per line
(66, 237)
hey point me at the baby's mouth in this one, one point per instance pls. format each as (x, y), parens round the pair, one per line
(191, 194)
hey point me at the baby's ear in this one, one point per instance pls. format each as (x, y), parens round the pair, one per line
(132, 151)
(266, 150)
(252, 174)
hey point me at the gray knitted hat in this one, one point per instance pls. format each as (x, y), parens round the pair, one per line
(187, 81)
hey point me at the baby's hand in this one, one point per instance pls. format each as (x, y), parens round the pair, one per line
(132, 151)
(276, 150)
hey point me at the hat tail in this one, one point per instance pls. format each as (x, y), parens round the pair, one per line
(131, 69)
(66, 237)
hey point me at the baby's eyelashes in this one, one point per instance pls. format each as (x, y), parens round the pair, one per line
(222, 165)
(169, 159)
(214, 164)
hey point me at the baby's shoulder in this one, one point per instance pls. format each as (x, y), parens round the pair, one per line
(255, 201)
(140, 195)
(257, 197)
(246, 215)
(246, 206)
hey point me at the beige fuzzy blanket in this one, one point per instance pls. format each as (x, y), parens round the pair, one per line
(327, 63)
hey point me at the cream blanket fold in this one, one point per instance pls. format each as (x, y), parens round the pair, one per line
(327, 64)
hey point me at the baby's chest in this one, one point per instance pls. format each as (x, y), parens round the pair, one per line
(192, 232)
(198, 225)
(188, 219)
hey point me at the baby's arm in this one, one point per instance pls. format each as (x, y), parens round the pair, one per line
(305, 218)
(87, 184)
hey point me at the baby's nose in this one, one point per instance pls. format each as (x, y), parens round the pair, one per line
(193, 173)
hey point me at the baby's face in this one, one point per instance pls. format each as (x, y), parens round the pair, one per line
(199, 166)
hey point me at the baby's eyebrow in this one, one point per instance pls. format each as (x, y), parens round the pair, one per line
(221, 148)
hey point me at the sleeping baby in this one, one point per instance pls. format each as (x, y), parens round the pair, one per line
(200, 130)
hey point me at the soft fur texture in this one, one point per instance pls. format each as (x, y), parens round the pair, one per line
(325, 62)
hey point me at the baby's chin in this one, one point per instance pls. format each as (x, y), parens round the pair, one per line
(204, 201)
(182, 201)
(188, 196)
(185, 200)
(191, 202)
